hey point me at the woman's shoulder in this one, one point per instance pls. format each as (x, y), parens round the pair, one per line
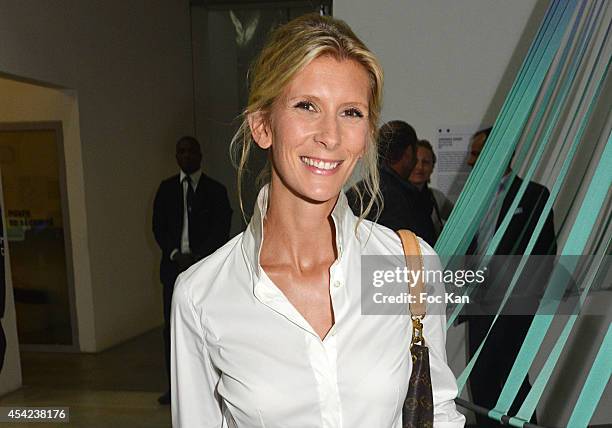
(209, 274)
(380, 240)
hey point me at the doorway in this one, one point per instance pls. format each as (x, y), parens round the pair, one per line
(35, 209)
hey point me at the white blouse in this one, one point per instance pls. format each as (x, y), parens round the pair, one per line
(243, 356)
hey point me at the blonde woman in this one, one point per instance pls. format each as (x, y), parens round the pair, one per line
(267, 331)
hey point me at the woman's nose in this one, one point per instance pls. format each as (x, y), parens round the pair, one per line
(328, 133)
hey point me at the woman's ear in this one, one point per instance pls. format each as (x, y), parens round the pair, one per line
(260, 129)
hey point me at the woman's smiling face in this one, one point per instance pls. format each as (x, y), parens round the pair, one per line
(318, 128)
(423, 168)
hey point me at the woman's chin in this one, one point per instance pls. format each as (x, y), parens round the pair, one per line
(321, 194)
(322, 197)
(311, 190)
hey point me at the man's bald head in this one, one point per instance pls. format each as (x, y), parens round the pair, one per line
(188, 154)
(477, 144)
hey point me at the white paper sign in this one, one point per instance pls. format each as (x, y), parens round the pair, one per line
(452, 146)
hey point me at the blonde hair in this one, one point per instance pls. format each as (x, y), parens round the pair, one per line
(289, 49)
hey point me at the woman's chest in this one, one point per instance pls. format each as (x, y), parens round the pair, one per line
(274, 370)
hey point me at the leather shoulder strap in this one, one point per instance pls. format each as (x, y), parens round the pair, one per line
(412, 252)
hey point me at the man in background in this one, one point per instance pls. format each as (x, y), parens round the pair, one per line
(191, 219)
(506, 338)
(402, 208)
(525, 217)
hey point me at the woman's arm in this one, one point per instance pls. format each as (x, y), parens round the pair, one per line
(443, 382)
(194, 379)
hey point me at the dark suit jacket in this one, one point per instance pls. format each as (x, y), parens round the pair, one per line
(523, 222)
(527, 214)
(209, 224)
(403, 208)
(528, 290)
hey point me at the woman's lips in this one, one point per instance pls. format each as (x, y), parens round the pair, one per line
(321, 166)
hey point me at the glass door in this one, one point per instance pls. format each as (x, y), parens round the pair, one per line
(34, 201)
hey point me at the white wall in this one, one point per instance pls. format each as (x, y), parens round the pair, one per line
(129, 63)
(445, 62)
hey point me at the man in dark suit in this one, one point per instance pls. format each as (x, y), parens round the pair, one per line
(404, 207)
(191, 220)
(504, 342)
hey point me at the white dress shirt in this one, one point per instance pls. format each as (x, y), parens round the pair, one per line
(195, 179)
(243, 356)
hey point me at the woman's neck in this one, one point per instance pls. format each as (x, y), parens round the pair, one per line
(296, 231)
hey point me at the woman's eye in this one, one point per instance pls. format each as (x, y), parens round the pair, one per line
(353, 112)
(305, 105)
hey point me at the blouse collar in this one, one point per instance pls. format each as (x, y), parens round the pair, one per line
(342, 216)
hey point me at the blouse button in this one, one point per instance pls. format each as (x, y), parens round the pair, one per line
(337, 284)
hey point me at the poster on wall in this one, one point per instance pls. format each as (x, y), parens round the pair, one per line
(452, 146)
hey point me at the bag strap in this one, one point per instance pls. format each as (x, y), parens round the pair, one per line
(412, 248)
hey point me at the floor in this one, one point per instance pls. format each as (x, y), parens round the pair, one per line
(116, 388)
